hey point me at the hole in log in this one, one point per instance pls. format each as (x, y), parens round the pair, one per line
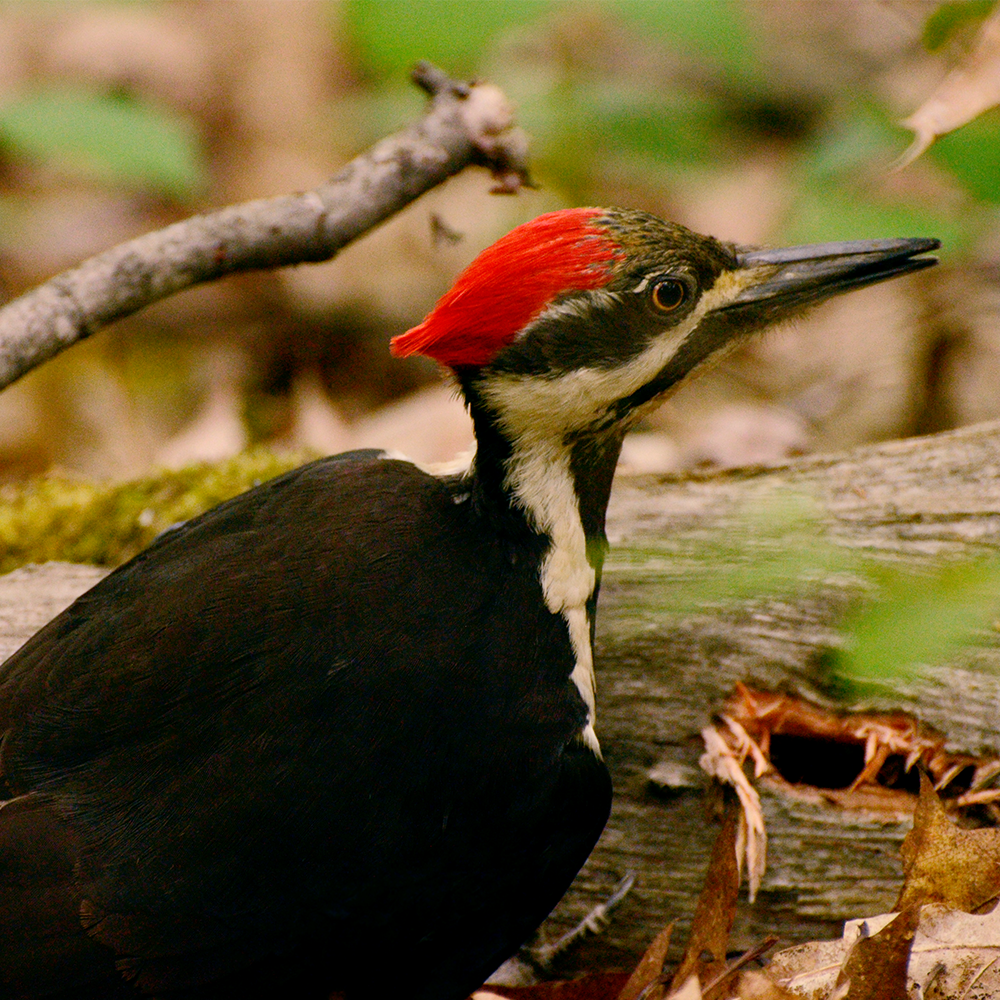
(803, 760)
(857, 760)
(893, 774)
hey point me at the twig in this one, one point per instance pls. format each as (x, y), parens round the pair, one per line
(738, 963)
(595, 922)
(465, 124)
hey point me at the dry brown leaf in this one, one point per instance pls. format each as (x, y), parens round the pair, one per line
(967, 91)
(957, 954)
(954, 954)
(691, 990)
(946, 864)
(705, 955)
(649, 969)
(599, 986)
(760, 986)
(876, 966)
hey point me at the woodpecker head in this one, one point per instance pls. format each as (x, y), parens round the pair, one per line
(573, 323)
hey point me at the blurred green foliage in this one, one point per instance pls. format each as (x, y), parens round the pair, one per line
(392, 35)
(113, 139)
(972, 154)
(836, 199)
(902, 617)
(954, 17)
(918, 618)
(719, 30)
(777, 547)
(714, 92)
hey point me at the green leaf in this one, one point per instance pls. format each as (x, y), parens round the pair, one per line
(111, 139)
(920, 618)
(953, 17)
(777, 548)
(972, 154)
(716, 29)
(831, 211)
(392, 35)
(621, 119)
(858, 138)
(841, 194)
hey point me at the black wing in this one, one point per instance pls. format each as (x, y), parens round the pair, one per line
(227, 723)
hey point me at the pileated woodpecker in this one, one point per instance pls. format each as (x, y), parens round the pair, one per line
(339, 732)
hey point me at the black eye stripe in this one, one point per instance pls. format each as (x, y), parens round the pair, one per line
(668, 294)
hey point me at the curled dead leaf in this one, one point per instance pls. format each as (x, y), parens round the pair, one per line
(725, 764)
(705, 955)
(967, 91)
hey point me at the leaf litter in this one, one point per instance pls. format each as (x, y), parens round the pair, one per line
(942, 941)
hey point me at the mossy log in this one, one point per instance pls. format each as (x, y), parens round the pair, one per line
(666, 661)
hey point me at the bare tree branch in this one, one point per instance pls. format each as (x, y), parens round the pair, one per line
(465, 124)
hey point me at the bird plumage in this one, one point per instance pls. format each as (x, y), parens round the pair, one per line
(340, 732)
(306, 775)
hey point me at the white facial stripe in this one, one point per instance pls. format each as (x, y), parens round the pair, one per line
(571, 401)
(589, 737)
(539, 476)
(583, 672)
(581, 308)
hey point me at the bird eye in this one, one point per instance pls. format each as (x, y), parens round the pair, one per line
(668, 294)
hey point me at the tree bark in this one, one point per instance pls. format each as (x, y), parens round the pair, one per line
(665, 665)
(664, 668)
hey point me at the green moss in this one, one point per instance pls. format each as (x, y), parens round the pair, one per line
(78, 521)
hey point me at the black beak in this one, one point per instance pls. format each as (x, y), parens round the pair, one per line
(808, 274)
(782, 282)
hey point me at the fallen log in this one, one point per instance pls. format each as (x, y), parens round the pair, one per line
(667, 661)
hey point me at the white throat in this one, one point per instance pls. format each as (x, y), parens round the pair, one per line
(539, 476)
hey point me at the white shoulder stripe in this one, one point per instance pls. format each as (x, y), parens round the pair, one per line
(539, 476)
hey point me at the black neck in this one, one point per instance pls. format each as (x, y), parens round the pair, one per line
(593, 458)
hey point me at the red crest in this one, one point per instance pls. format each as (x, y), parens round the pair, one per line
(509, 284)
